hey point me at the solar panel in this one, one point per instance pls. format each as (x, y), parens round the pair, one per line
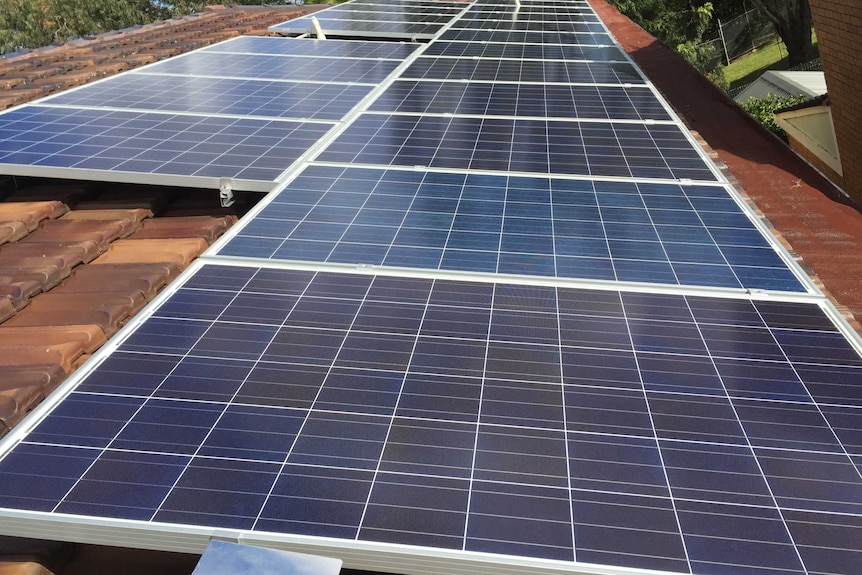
(548, 72)
(692, 235)
(267, 67)
(505, 325)
(513, 145)
(171, 148)
(313, 47)
(523, 37)
(557, 429)
(206, 95)
(200, 118)
(522, 100)
(526, 51)
(534, 25)
(369, 28)
(420, 21)
(531, 12)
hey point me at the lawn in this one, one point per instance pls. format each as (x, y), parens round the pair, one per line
(748, 68)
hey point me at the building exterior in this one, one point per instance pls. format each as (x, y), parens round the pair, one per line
(839, 28)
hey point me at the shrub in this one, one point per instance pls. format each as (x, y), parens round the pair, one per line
(763, 110)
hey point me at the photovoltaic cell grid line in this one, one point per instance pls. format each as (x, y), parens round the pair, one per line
(371, 28)
(313, 47)
(544, 71)
(418, 21)
(188, 146)
(540, 24)
(225, 96)
(269, 67)
(525, 37)
(654, 233)
(520, 145)
(524, 100)
(105, 130)
(570, 425)
(525, 51)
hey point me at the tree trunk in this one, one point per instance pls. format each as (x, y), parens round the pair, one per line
(792, 20)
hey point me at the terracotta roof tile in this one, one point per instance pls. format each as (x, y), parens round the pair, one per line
(206, 227)
(51, 554)
(19, 287)
(15, 404)
(103, 232)
(61, 355)
(23, 568)
(12, 231)
(88, 337)
(180, 251)
(145, 279)
(7, 307)
(51, 270)
(31, 213)
(103, 310)
(130, 219)
(67, 255)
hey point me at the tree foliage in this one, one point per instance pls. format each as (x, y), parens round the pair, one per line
(763, 110)
(35, 23)
(792, 21)
(671, 21)
(681, 24)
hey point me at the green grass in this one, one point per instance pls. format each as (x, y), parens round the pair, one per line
(748, 68)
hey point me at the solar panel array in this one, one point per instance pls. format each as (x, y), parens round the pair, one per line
(244, 110)
(407, 20)
(501, 323)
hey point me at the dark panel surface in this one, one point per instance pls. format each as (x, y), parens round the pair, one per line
(357, 414)
(545, 147)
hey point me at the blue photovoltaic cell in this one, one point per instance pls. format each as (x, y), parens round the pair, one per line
(581, 426)
(394, 24)
(530, 25)
(268, 67)
(277, 99)
(541, 146)
(560, 72)
(150, 143)
(526, 51)
(504, 99)
(671, 432)
(530, 14)
(344, 14)
(394, 28)
(526, 37)
(655, 233)
(313, 47)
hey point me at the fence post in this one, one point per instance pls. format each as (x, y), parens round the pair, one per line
(750, 31)
(723, 43)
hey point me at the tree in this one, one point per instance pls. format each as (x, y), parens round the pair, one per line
(680, 24)
(792, 21)
(671, 21)
(34, 23)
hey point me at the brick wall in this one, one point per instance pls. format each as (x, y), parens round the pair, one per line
(839, 34)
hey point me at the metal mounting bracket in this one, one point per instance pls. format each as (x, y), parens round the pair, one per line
(225, 193)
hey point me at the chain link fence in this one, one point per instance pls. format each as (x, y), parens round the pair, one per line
(738, 36)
